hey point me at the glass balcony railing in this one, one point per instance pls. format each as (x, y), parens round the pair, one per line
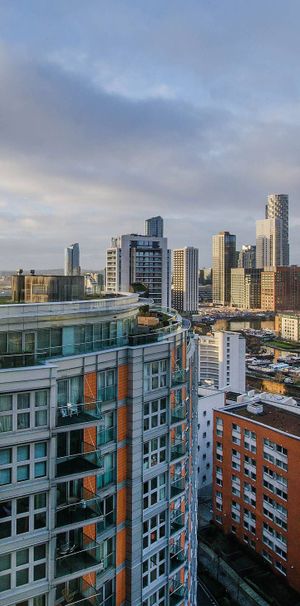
(80, 507)
(178, 377)
(177, 522)
(178, 413)
(81, 593)
(177, 594)
(178, 450)
(177, 487)
(177, 557)
(70, 414)
(87, 461)
(85, 555)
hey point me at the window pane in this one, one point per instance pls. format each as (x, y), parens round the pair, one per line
(5, 403)
(39, 470)
(39, 521)
(5, 530)
(23, 453)
(22, 577)
(23, 401)
(5, 456)
(5, 582)
(14, 342)
(41, 418)
(5, 423)
(39, 572)
(23, 505)
(22, 557)
(40, 450)
(23, 420)
(22, 525)
(23, 473)
(4, 562)
(5, 476)
(40, 500)
(41, 398)
(39, 552)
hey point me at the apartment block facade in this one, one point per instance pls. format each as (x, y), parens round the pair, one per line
(97, 479)
(224, 258)
(256, 481)
(222, 363)
(245, 288)
(185, 282)
(280, 288)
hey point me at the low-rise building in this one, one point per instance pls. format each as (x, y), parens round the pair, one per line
(256, 478)
(288, 326)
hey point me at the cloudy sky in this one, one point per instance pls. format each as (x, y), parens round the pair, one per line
(113, 111)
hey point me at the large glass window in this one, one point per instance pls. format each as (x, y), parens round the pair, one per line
(154, 529)
(23, 515)
(155, 413)
(23, 463)
(155, 452)
(155, 375)
(154, 568)
(106, 385)
(154, 490)
(22, 567)
(69, 391)
(23, 410)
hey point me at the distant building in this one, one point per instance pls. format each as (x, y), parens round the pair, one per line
(256, 448)
(205, 276)
(134, 258)
(278, 207)
(222, 360)
(247, 256)
(94, 283)
(245, 288)
(280, 288)
(224, 259)
(205, 293)
(269, 243)
(288, 326)
(46, 289)
(154, 227)
(208, 400)
(185, 279)
(72, 260)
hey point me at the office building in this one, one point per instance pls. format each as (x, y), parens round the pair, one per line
(72, 260)
(222, 360)
(245, 288)
(185, 279)
(280, 288)
(269, 252)
(139, 259)
(256, 479)
(154, 227)
(247, 256)
(288, 326)
(36, 288)
(224, 259)
(98, 424)
(278, 207)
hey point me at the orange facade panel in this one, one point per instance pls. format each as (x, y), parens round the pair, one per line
(122, 423)
(121, 547)
(90, 387)
(122, 382)
(121, 506)
(121, 464)
(120, 588)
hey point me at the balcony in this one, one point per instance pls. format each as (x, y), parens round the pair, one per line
(83, 556)
(81, 593)
(86, 461)
(178, 413)
(178, 377)
(177, 593)
(178, 451)
(178, 487)
(83, 506)
(177, 522)
(177, 558)
(71, 414)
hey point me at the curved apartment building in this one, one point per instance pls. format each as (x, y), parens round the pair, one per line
(98, 423)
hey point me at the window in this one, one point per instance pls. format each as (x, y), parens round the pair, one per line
(158, 598)
(70, 391)
(23, 463)
(155, 452)
(154, 568)
(155, 375)
(106, 385)
(22, 567)
(154, 529)
(155, 413)
(26, 514)
(280, 567)
(23, 410)
(154, 491)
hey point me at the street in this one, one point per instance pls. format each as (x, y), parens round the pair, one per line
(204, 596)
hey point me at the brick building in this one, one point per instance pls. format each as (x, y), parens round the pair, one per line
(280, 288)
(256, 480)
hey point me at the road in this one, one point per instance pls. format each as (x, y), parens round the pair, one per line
(204, 596)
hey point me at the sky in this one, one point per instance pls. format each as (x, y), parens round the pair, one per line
(112, 112)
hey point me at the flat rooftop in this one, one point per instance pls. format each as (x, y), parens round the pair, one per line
(273, 416)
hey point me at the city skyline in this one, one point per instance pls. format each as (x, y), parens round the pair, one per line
(180, 116)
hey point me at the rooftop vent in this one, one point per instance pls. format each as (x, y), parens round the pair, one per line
(32, 272)
(256, 408)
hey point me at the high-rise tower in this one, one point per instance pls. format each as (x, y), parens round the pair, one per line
(224, 259)
(185, 279)
(269, 243)
(72, 260)
(154, 227)
(278, 208)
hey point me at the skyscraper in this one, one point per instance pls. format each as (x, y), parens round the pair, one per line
(278, 208)
(154, 227)
(247, 256)
(268, 243)
(224, 259)
(185, 279)
(98, 438)
(72, 260)
(134, 258)
(245, 288)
